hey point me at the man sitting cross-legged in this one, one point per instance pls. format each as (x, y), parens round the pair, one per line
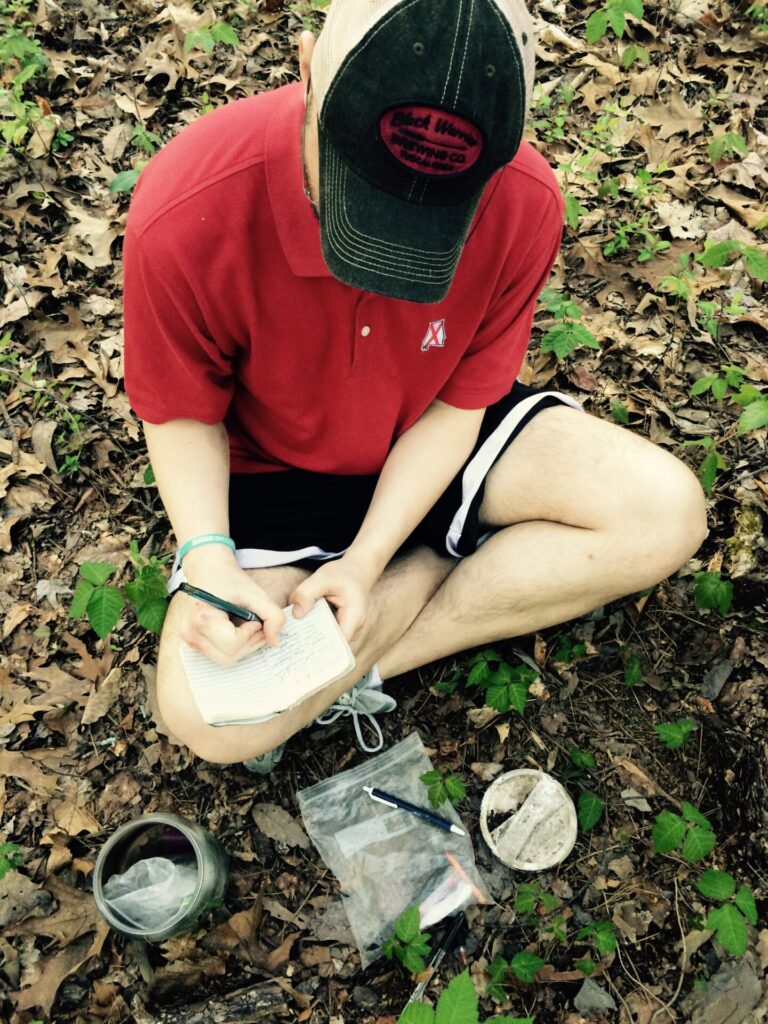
(329, 290)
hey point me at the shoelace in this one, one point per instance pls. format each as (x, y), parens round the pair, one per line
(347, 705)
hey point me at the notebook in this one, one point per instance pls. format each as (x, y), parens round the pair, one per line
(312, 653)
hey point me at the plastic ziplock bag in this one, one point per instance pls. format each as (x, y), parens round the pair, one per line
(152, 891)
(386, 859)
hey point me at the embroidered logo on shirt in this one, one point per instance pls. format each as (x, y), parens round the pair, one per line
(435, 336)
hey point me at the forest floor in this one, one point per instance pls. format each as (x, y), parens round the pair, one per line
(653, 706)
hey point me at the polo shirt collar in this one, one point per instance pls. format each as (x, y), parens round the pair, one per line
(297, 226)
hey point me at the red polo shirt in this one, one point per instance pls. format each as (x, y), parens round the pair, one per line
(231, 313)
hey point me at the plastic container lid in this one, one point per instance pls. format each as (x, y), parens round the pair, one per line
(528, 820)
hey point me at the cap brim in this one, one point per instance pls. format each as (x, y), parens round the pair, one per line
(383, 244)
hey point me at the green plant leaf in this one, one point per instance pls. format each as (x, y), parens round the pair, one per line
(407, 925)
(412, 960)
(605, 938)
(80, 599)
(596, 25)
(717, 255)
(199, 38)
(151, 614)
(710, 464)
(674, 734)
(149, 475)
(104, 609)
(716, 885)
(586, 966)
(694, 815)
(518, 695)
(701, 385)
(97, 573)
(583, 758)
(562, 339)
(223, 32)
(455, 789)
(430, 778)
(524, 965)
(497, 972)
(756, 263)
(754, 416)
(745, 901)
(699, 843)
(711, 591)
(730, 927)
(417, 1013)
(620, 412)
(458, 1003)
(633, 670)
(590, 810)
(668, 832)
(125, 180)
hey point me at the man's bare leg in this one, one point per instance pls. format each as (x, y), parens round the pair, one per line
(590, 513)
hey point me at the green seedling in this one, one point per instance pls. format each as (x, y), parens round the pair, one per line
(602, 934)
(456, 1005)
(103, 604)
(145, 141)
(10, 858)
(612, 15)
(408, 944)
(719, 254)
(719, 382)
(758, 13)
(443, 787)
(712, 591)
(729, 145)
(523, 966)
(505, 687)
(206, 37)
(568, 649)
(711, 464)
(589, 810)
(691, 834)
(633, 53)
(679, 283)
(633, 670)
(737, 909)
(563, 338)
(675, 734)
(620, 413)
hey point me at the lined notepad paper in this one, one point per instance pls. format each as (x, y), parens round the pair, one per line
(312, 653)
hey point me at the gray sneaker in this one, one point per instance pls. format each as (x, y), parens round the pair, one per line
(264, 763)
(365, 700)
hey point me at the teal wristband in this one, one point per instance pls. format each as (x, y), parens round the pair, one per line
(205, 538)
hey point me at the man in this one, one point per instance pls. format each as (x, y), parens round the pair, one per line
(329, 290)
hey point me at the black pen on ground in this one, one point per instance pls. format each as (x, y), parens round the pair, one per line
(220, 603)
(420, 812)
(439, 955)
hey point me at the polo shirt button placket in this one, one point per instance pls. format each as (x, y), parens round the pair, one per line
(364, 336)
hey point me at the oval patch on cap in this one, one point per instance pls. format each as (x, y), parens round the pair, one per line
(429, 140)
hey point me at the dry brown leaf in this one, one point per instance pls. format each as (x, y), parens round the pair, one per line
(70, 811)
(102, 699)
(276, 823)
(56, 969)
(20, 897)
(42, 442)
(280, 956)
(672, 118)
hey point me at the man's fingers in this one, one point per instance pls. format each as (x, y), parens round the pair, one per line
(304, 596)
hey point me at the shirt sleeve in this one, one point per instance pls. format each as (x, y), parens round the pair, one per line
(174, 368)
(493, 360)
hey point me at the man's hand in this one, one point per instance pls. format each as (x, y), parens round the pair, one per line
(346, 584)
(210, 631)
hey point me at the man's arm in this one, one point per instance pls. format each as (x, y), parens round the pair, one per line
(190, 460)
(422, 463)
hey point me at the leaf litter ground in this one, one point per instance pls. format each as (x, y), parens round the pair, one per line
(82, 746)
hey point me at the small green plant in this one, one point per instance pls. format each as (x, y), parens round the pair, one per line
(620, 412)
(23, 56)
(408, 944)
(568, 649)
(10, 858)
(551, 113)
(530, 897)
(523, 966)
(729, 144)
(635, 235)
(712, 591)
(563, 338)
(679, 283)
(102, 604)
(612, 15)
(633, 53)
(145, 141)
(674, 734)
(602, 934)
(589, 810)
(691, 833)
(308, 11)
(719, 382)
(729, 920)
(758, 12)
(505, 687)
(633, 669)
(456, 1005)
(719, 254)
(711, 464)
(443, 787)
(206, 37)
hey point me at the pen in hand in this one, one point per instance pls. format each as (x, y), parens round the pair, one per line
(220, 603)
(420, 812)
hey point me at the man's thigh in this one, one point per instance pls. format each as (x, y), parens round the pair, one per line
(570, 467)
